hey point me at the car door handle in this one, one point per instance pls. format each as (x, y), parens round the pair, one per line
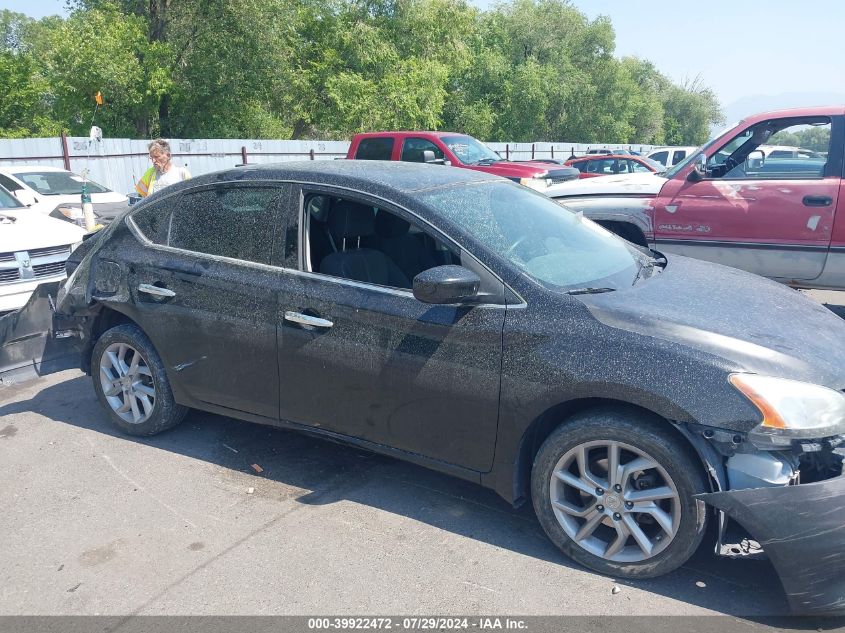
(307, 319)
(155, 291)
(817, 201)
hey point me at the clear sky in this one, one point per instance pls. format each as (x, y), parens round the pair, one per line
(741, 48)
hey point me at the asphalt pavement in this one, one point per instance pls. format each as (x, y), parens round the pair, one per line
(220, 516)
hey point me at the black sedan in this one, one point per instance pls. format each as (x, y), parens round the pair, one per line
(463, 322)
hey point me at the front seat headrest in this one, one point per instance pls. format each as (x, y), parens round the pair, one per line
(351, 219)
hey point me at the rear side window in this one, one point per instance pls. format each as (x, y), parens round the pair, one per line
(235, 222)
(678, 156)
(378, 148)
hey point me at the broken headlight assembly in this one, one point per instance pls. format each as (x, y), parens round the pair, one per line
(792, 410)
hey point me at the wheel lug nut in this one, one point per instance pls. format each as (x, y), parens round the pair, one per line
(599, 492)
(617, 516)
(600, 508)
(629, 504)
(617, 488)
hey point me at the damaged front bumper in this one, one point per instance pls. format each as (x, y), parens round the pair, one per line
(34, 341)
(801, 528)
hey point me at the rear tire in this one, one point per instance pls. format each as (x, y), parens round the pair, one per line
(635, 520)
(131, 383)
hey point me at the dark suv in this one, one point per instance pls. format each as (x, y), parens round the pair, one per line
(460, 321)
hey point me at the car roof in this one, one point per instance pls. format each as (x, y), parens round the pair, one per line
(438, 134)
(830, 110)
(23, 169)
(605, 157)
(364, 175)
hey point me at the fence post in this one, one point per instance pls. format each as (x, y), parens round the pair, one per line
(553, 151)
(243, 154)
(65, 152)
(532, 151)
(507, 151)
(311, 153)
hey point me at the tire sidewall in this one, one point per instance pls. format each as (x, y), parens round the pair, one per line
(649, 436)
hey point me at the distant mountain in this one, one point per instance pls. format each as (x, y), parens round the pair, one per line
(763, 103)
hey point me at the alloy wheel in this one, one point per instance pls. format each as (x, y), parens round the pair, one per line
(127, 383)
(615, 501)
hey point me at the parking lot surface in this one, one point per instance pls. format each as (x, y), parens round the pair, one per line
(220, 516)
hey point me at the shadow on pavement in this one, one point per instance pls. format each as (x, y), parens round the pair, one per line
(333, 472)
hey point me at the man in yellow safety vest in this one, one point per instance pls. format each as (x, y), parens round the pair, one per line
(163, 172)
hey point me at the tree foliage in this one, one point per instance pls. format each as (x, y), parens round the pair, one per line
(524, 70)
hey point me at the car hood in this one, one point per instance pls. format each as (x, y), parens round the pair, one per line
(645, 184)
(513, 170)
(30, 230)
(757, 325)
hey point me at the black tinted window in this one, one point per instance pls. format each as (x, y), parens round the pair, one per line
(153, 220)
(378, 148)
(234, 222)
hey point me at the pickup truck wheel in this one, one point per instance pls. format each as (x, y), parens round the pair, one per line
(131, 383)
(614, 490)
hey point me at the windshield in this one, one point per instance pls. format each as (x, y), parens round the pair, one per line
(55, 183)
(691, 156)
(8, 201)
(470, 151)
(555, 246)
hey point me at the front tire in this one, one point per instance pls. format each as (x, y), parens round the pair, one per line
(614, 488)
(131, 383)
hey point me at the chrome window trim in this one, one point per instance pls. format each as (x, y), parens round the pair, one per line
(304, 244)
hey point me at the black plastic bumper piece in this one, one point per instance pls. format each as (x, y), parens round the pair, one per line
(802, 530)
(29, 345)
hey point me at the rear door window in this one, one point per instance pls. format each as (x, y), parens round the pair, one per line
(235, 222)
(678, 156)
(377, 148)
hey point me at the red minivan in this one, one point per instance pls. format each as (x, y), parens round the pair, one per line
(457, 150)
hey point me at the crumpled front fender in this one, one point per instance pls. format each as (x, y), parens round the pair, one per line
(802, 530)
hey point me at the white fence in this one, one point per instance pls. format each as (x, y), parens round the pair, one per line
(119, 163)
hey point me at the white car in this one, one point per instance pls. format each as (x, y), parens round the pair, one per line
(57, 192)
(636, 184)
(33, 250)
(669, 156)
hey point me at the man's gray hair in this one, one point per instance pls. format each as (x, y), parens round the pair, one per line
(159, 146)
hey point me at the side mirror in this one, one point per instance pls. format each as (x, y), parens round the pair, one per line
(699, 169)
(428, 157)
(25, 197)
(755, 159)
(446, 285)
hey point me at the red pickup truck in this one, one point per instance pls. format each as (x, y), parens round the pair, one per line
(458, 150)
(737, 202)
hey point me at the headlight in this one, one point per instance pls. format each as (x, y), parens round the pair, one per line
(539, 182)
(791, 409)
(69, 213)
